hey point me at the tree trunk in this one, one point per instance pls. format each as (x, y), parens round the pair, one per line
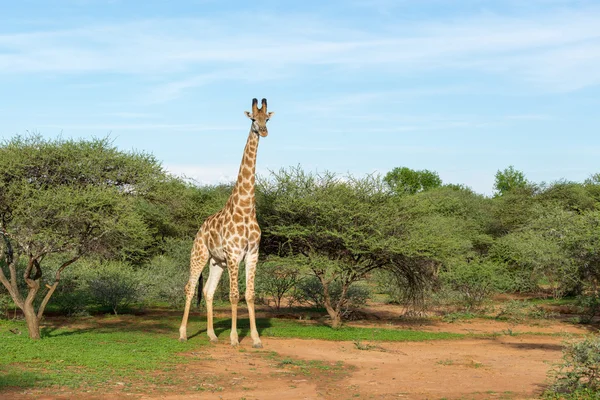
(334, 314)
(336, 320)
(33, 323)
(33, 282)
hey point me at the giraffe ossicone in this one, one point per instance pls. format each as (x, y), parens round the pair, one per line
(229, 237)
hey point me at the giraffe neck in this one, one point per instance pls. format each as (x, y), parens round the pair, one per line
(243, 191)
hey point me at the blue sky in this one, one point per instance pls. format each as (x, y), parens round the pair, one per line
(461, 87)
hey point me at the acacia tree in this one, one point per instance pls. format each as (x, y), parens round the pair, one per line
(61, 200)
(509, 179)
(326, 223)
(403, 180)
(343, 229)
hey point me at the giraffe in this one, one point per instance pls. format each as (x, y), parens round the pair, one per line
(230, 236)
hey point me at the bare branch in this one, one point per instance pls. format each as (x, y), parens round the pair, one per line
(52, 288)
(12, 289)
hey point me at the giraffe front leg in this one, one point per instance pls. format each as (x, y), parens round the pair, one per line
(251, 261)
(197, 263)
(234, 296)
(210, 288)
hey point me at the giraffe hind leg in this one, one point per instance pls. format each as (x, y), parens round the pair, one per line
(198, 260)
(215, 272)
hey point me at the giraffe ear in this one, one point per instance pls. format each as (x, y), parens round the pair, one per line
(270, 114)
(248, 114)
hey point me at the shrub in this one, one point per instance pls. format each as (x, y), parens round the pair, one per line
(115, 285)
(579, 370)
(6, 303)
(71, 296)
(310, 291)
(517, 311)
(276, 280)
(589, 305)
(417, 295)
(164, 278)
(388, 284)
(474, 282)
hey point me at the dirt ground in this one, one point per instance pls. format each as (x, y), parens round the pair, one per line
(510, 363)
(506, 366)
(503, 368)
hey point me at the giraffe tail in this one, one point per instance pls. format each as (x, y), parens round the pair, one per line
(200, 284)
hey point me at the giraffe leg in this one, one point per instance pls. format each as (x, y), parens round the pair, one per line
(209, 294)
(234, 296)
(197, 263)
(251, 261)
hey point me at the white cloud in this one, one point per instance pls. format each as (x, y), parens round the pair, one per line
(141, 126)
(205, 175)
(559, 50)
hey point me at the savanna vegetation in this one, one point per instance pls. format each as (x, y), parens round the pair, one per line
(87, 228)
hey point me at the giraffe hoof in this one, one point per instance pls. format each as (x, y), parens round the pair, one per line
(215, 340)
(183, 339)
(257, 345)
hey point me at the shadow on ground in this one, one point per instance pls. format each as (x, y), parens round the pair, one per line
(129, 323)
(243, 325)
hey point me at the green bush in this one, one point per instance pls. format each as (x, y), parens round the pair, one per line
(517, 311)
(71, 296)
(474, 282)
(164, 278)
(6, 304)
(589, 305)
(417, 295)
(579, 371)
(388, 284)
(115, 285)
(276, 280)
(310, 291)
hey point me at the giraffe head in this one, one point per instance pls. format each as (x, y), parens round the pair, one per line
(259, 117)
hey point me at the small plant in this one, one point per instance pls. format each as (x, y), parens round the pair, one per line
(516, 311)
(579, 371)
(358, 344)
(508, 332)
(475, 364)
(457, 316)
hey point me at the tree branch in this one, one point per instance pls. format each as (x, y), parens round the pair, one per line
(12, 262)
(27, 273)
(12, 289)
(53, 287)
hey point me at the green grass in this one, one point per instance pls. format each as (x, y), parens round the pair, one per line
(296, 329)
(88, 356)
(129, 349)
(582, 394)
